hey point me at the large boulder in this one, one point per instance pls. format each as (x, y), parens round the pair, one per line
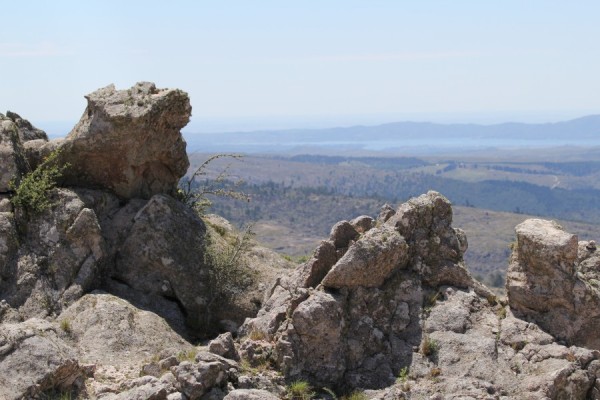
(162, 257)
(110, 331)
(34, 359)
(129, 141)
(553, 281)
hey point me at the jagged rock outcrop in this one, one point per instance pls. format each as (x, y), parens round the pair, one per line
(397, 309)
(129, 141)
(553, 280)
(358, 327)
(14, 132)
(58, 258)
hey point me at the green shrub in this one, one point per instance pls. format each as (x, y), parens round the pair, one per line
(187, 355)
(429, 346)
(31, 193)
(65, 325)
(357, 395)
(299, 390)
(228, 271)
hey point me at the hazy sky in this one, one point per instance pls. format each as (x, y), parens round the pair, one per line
(303, 61)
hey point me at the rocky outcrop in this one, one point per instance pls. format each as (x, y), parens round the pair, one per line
(358, 326)
(58, 259)
(163, 256)
(129, 141)
(34, 360)
(553, 280)
(14, 131)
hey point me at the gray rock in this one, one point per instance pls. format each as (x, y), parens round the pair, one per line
(195, 380)
(250, 394)
(370, 261)
(363, 223)
(14, 164)
(342, 233)
(223, 346)
(109, 330)
(385, 213)
(129, 141)
(551, 284)
(34, 359)
(59, 258)
(163, 257)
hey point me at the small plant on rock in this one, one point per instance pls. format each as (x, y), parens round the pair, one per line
(429, 346)
(299, 390)
(357, 395)
(31, 193)
(196, 195)
(65, 325)
(187, 355)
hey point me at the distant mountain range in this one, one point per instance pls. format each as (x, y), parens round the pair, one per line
(584, 131)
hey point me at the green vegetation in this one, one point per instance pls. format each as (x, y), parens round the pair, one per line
(299, 390)
(196, 195)
(187, 355)
(356, 395)
(65, 325)
(403, 376)
(228, 271)
(429, 346)
(31, 193)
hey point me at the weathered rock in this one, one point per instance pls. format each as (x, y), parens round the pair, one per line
(108, 330)
(250, 394)
(223, 346)
(163, 257)
(342, 233)
(144, 388)
(33, 359)
(370, 261)
(549, 283)
(385, 213)
(59, 258)
(358, 328)
(14, 164)
(196, 379)
(129, 141)
(315, 269)
(362, 224)
(26, 130)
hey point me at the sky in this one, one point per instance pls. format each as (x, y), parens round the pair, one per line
(271, 64)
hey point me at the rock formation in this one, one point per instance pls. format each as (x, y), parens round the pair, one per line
(128, 141)
(552, 279)
(101, 293)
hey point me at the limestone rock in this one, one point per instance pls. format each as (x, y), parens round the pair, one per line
(548, 282)
(34, 359)
(129, 141)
